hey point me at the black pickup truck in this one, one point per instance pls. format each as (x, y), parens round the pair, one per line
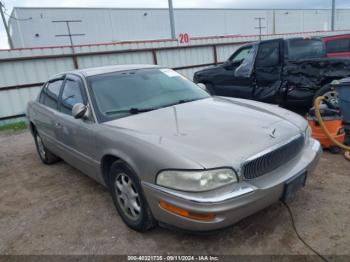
(289, 72)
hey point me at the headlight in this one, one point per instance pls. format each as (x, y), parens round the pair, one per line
(196, 181)
(308, 134)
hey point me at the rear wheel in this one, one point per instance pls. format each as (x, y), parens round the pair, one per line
(329, 93)
(334, 149)
(46, 156)
(128, 197)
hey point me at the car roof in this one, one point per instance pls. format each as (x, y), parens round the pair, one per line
(284, 39)
(336, 37)
(304, 38)
(287, 39)
(105, 69)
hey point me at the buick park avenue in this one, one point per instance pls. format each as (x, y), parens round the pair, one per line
(168, 152)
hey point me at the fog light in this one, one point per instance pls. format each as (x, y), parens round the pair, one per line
(185, 213)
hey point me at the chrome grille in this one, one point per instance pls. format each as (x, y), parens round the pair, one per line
(271, 160)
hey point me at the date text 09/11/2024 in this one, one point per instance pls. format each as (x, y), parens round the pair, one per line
(173, 258)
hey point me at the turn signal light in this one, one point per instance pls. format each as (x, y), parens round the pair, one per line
(185, 213)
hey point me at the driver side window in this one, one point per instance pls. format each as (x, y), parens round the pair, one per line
(50, 93)
(72, 94)
(246, 67)
(240, 55)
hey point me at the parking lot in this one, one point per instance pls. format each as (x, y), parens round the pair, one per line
(57, 210)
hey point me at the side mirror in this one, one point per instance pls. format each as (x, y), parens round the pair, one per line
(237, 63)
(201, 85)
(79, 110)
(228, 65)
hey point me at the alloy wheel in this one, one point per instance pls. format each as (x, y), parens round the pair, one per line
(41, 147)
(332, 97)
(127, 196)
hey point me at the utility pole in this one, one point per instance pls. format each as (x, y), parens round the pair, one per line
(260, 27)
(274, 22)
(68, 28)
(70, 35)
(333, 14)
(172, 20)
(5, 25)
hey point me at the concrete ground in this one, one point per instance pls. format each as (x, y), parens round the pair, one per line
(57, 210)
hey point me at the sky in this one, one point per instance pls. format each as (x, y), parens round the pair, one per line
(9, 4)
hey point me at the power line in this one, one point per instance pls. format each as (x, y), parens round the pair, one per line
(70, 35)
(18, 19)
(12, 17)
(298, 234)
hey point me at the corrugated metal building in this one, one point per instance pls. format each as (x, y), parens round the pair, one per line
(34, 26)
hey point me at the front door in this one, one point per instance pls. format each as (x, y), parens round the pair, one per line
(235, 77)
(75, 136)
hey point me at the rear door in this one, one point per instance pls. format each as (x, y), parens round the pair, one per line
(235, 77)
(46, 112)
(268, 71)
(75, 136)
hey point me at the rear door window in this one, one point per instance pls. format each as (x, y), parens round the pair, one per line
(304, 48)
(42, 94)
(268, 54)
(72, 94)
(50, 94)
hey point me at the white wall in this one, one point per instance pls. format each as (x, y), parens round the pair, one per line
(113, 25)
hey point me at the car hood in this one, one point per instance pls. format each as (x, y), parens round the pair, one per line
(214, 132)
(207, 71)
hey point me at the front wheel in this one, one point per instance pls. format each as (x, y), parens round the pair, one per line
(128, 197)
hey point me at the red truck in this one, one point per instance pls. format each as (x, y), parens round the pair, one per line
(337, 45)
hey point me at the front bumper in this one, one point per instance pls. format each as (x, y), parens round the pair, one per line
(232, 203)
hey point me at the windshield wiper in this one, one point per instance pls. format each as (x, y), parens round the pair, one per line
(132, 111)
(135, 110)
(182, 101)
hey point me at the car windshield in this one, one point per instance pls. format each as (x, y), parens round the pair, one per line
(121, 94)
(305, 48)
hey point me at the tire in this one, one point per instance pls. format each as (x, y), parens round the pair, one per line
(46, 156)
(334, 150)
(330, 94)
(128, 197)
